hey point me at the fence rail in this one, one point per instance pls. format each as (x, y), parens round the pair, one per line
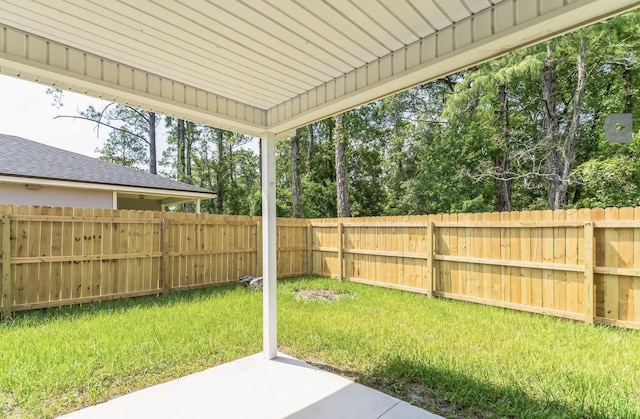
(578, 264)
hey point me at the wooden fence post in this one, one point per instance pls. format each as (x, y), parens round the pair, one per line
(430, 252)
(309, 249)
(6, 267)
(588, 272)
(164, 264)
(258, 248)
(340, 246)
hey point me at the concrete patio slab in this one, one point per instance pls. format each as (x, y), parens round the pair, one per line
(254, 387)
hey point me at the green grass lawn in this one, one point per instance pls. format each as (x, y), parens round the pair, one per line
(453, 358)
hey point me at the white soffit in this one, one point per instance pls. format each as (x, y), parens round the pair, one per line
(268, 65)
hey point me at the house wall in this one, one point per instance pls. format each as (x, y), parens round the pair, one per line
(18, 194)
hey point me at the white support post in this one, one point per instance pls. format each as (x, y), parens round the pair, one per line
(269, 270)
(198, 205)
(115, 200)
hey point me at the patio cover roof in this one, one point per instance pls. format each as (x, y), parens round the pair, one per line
(266, 67)
(253, 65)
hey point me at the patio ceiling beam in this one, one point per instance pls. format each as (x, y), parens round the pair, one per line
(498, 30)
(37, 59)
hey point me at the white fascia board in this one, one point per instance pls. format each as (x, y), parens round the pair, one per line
(505, 27)
(34, 58)
(106, 187)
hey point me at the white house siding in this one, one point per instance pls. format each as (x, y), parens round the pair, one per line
(19, 194)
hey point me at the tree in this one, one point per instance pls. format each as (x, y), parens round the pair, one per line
(341, 168)
(561, 146)
(295, 176)
(222, 163)
(316, 170)
(132, 130)
(123, 149)
(177, 158)
(492, 110)
(502, 161)
(220, 171)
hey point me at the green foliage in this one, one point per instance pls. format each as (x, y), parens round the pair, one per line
(318, 173)
(229, 167)
(124, 150)
(613, 178)
(128, 140)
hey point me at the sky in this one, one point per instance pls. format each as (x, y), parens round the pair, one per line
(26, 111)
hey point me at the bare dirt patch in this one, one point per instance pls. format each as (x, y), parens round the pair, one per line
(418, 394)
(324, 294)
(9, 407)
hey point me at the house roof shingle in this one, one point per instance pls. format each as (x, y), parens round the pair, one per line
(25, 158)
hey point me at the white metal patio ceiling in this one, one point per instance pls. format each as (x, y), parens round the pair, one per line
(267, 65)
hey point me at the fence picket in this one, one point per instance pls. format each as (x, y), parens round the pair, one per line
(430, 280)
(496, 245)
(597, 214)
(7, 301)
(588, 272)
(559, 256)
(515, 295)
(572, 288)
(547, 248)
(625, 260)
(634, 293)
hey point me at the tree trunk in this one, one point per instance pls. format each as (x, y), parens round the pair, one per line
(221, 188)
(569, 151)
(502, 162)
(152, 144)
(627, 76)
(560, 157)
(551, 129)
(187, 152)
(341, 168)
(295, 177)
(181, 151)
(231, 172)
(578, 193)
(180, 157)
(310, 151)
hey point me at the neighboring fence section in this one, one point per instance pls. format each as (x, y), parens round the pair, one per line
(536, 261)
(578, 264)
(62, 256)
(203, 250)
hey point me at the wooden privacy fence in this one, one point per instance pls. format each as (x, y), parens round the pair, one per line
(61, 256)
(577, 264)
